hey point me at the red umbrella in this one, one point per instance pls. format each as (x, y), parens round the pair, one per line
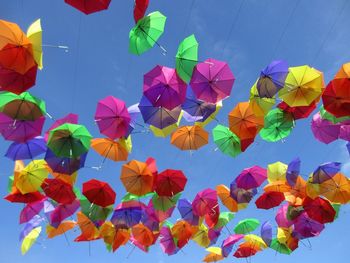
(269, 200)
(89, 6)
(58, 190)
(99, 193)
(245, 252)
(336, 97)
(15, 82)
(299, 112)
(319, 209)
(212, 217)
(170, 182)
(17, 197)
(140, 8)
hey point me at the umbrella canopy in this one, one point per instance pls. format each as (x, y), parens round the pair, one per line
(260, 106)
(247, 225)
(30, 211)
(182, 231)
(204, 202)
(293, 171)
(88, 229)
(13, 81)
(303, 86)
(88, 6)
(167, 242)
(226, 141)
(228, 243)
(146, 33)
(99, 193)
(215, 255)
(58, 190)
(63, 211)
(30, 239)
(137, 178)
(266, 232)
(164, 203)
(143, 235)
(280, 247)
(223, 192)
(186, 211)
(336, 97)
(64, 227)
(187, 57)
(32, 176)
(69, 118)
(251, 177)
(140, 8)
(324, 130)
(115, 237)
(26, 150)
(241, 195)
(330, 117)
(269, 200)
(164, 88)
(298, 112)
(319, 209)
(272, 78)
(112, 117)
(109, 149)
(64, 165)
(212, 80)
(170, 182)
(336, 189)
(34, 34)
(69, 140)
(305, 227)
(324, 172)
(127, 215)
(189, 137)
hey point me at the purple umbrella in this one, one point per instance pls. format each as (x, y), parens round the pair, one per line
(251, 177)
(185, 208)
(64, 165)
(272, 79)
(204, 202)
(266, 232)
(214, 235)
(305, 227)
(126, 217)
(33, 223)
(228, 243)
(281, 217)
(26, 150)
(167, 242)
(242, 196)
(293, 171)
(31, 210)
(70, 118)
(324, 130)
(150, 222)
(158, 116)
(212, 80)
(20, 130)
(62, 211)
(112, 117)
(164, 88)
(134, 113)
(189, 118)
(325, 172)
(345, 132)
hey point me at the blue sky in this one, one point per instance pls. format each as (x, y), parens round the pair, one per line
(248, 36)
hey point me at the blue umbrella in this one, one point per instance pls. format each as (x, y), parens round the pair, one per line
(266, 232)
(26, 150)
(185, 208)
(126, 217)
(293, 171)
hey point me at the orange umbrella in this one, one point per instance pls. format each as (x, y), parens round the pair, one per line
(87, 227)
(143, 235)
(243, 121)
(182, 232)
(69, 179)
(189, 137)
(223, 193)
(137, 178)
(336, 189)
(297, 193)
(277, 186)
(61, 229)
(114, 237)
(109, 149)
(344, 72)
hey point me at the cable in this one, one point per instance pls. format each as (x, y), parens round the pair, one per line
(189, 15)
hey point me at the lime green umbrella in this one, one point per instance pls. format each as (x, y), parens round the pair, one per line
(224, 219)
(280, 247)
(146, 33)
(246, 226)
(278, 125)
(226, 140)
(163, 203)
(69, 140)
(187, 57)
(330, 117)
(132, 197)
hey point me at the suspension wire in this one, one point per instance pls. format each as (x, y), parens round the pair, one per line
(189, 16)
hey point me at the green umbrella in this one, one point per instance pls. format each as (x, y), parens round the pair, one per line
(226, 140)
(246, 226)
(280, 247)
(187, 57)
(224, 219)
(163, 203)
(145, 34)
(278, 125)
(132, 197)
(69, 140)
(94, 212)
(330, 117)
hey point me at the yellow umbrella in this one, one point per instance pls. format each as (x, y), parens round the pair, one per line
(256, 240)
(276, 172)
(126, 143)
(284, 234)
(201, 236)
(260, 106)
(32, 176)
(34, 33)
(215, 254)
(30, 239)
(211, 117)
(303, 86)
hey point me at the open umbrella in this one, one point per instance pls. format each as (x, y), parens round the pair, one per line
(324, 172)
(89, 6)
(227, 244)
(251, 177)
(34, 34)
(63, 211)
(170, 182)
(204, 202)
(269, 200)
(69, 118)
(13, 81)
(223, 192)
(99, 193)
(26, 150)
(247, 225)
(64, 165)
(32, 176)
(58, 190)
(30, 239)
(189, 137)
(186, 211)
(226, 141)
(336, 97)
(260, 106)
(324, 130)
(319, 209)
(298, 112)
(109, 149)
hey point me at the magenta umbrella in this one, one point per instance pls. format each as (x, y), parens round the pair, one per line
(205, 202)
(62, 211)
(251, 177)
(305, 227)
(324, 130)
(212, 80)
(164, 88)
(228, 243)
(112, 117)
(281, 217)
(70, 118)
(345, 132)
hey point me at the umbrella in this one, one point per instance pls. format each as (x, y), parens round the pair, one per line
(88, 6)
(109, 149)
(140, 8)
(325, 171)
(64, 227)
(226, 140)
(99, 193)
(305, 227)
(137, 178)
(164, 203)
(269, 200)
(247, 225)
(266, 232)
(165, 132)
(112, 117)
(223, 192)
(30, 211)
(62, 211)
(343, 72)
(34, 34)
(212, 80)
(324, 130)
(113, 236)
(59, 191)
(13, 81)
(26, 150)
(164, 88)
(187, 57)
(251, 177)
(344, 132)
(64, 165)
(167, 242)
(303, 86)
(212, 217)
(146, 33)
(281, 217)
(298, 112)
(170, 182)
(127, 217)
(69, 140)
(186, 211)
(272, 79)
(260, 106)
(319, 209)
(69, 118)
(189, 137)
(88, 229)
(224, 219)
(32, 176)
(278, 125)
(143, 235)
(229, 242)
(293, 171)
(182, 232)
(200, 235)
(30, 239)
(215, 255)
(245, 250)
(204, 202)
(241, 195)
(336, 97)
(280, 247)
(336, 189)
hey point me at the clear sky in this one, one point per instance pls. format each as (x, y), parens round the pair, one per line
(247, 35)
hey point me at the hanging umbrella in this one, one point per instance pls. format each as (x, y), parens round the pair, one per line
(278, 125)
(212, 80)
(170, 182)
(260, 106)
(30, 239)
(251, 177)
(88, 6)
(212, 217)
(200, 235)
(18, 197)
(280, 247)
(137, 178)
(336, 97)
(112, 117)
(226, 140)
(94, 212)
(164, 203)
(30, 211)
(228, 243)
(305, 227)
(69, 140)
(272, 78)
(109, 149)
(186, 211)
(241, 195)
(223, 192)
(63, 211)
(26, 150)
(32, 176)
(140, 8)
(189, 137)
(336, 189)
(88, 229)
(298, 112)
(269, 200)
(324, 172)
(34, 34)
(324, 130)
(319, 209)
(182, 232)
(69, 118)
(164, 88)
(204, 202)
(167, 242)
(13, 81)
(247, 225)
(215, 255)
(293, 171)
(266, 232)
(64, 165)
(115, 237)
(187, 57)
(127, 216)
(58, 191)
(343, 72)
(224, 219)
(64, 227)
(303, 86)
(99, 193)
(146, 33)
(143, 235)
(246, 250)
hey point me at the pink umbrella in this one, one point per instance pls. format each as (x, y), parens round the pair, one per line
(324, 130)
(228, 243)
(164, 88)
(70, 118)
(281, 217)
(112, 117)
(205, 202)
(212, 80)
(345, 132)
(62, 211)
(251, 177)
